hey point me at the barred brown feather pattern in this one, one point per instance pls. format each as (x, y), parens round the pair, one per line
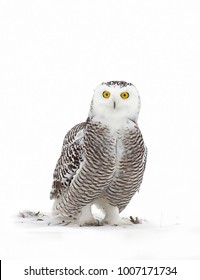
(129, 168)
(69, 161)
(95, 172)
(98, 163)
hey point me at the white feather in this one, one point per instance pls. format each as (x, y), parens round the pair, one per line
(103, 110)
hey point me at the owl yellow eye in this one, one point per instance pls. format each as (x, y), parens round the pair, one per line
(106, 94)
(124, 95)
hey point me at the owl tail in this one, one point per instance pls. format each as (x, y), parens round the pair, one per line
(42, 218)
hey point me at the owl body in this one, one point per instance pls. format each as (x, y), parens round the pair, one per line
(102, 162)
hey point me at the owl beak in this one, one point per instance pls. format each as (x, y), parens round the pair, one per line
(114, 104)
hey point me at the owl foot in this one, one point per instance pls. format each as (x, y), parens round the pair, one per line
(117, 222)
(123, 221)
(86, 217)
(135, 221)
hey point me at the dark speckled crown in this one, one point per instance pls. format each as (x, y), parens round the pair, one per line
(117, 83)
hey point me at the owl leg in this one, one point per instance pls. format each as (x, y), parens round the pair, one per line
(112, 216)
(86, 218)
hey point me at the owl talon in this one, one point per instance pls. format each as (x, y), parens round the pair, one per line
(135, 221)
(120, 222)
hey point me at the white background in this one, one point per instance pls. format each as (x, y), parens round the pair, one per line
(52, 56)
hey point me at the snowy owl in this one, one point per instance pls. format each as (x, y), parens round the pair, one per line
(102, 160)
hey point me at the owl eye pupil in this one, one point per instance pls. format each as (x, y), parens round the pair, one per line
(124, 95)
(106, 94)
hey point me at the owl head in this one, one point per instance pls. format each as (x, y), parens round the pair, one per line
(115, 101)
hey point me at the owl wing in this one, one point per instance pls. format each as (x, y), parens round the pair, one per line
(129, 175)
(145, 158)
(69, 161)
(139, 155)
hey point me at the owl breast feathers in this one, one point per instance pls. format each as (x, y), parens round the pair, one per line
(102, 160)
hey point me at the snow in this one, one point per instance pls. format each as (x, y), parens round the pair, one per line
(52, 57)
(141, 241)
